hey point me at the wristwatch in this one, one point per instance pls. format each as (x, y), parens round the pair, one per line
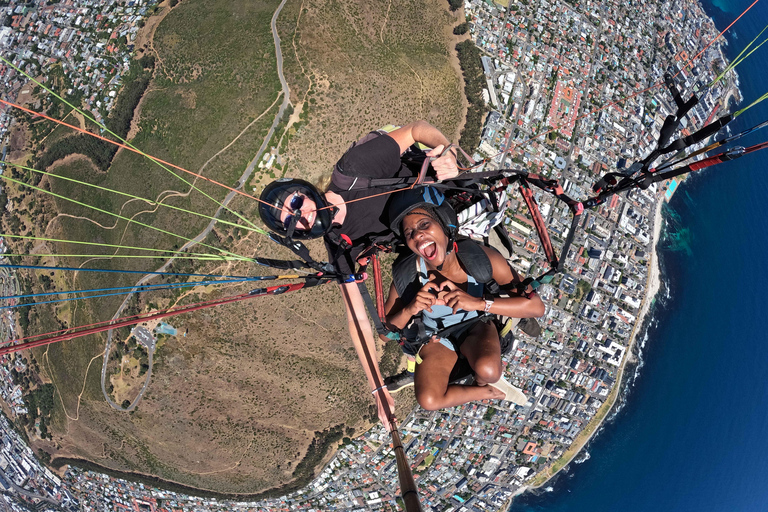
(488, 304)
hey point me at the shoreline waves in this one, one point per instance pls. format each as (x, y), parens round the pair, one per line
(653, 288)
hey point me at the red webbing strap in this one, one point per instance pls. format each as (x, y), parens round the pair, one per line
(133, 320)
(538, 221)
(422, 173)
(701, 164)
(379, 287)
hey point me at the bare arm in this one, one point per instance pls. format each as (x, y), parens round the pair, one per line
(399, 314)
(423, 132)
(515, 307)
(418, 131)
(361, 332)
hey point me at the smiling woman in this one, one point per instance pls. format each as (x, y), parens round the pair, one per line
(294, 208)
(444, 312)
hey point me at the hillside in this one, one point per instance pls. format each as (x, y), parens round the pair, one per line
(274, 379)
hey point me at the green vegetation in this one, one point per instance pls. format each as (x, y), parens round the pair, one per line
(455, 4)
(489, 414)
(582, 289)
(316, 451)
(119, 121)
(461, 29)
(474, 79)
(38, 397)
(193, 102)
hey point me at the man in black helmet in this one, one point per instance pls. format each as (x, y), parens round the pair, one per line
(350, 218)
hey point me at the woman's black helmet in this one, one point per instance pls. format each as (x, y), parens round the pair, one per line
(273, 199)
(430, 198)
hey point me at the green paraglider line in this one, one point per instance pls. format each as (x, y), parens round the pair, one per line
(739, 59)
(150, 201)
(184, 254)
(122, 217)
(128, 144)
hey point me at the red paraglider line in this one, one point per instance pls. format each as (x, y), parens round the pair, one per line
(46, 339)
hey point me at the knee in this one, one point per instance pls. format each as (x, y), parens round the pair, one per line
(488, 369)
(428, 400)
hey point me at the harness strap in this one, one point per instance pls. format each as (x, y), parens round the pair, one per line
(538, 222)
(378, 324)
(698, 136)
(378, 287)
(302, 252)
(423, 337)
(282, 264)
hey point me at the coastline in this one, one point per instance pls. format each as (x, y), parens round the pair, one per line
(653, 286)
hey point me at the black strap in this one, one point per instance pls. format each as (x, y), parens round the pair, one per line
(302, 252)
(699, 135)
(373, 313)
(283, 264)
(445, 332)
(663, 146)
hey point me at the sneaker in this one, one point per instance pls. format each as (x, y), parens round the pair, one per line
(400, 381)
(530, 327)
(512, 393)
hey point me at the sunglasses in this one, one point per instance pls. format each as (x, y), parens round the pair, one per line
(297, 201)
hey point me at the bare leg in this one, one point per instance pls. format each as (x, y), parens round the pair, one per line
(431, 381)
(483, 352)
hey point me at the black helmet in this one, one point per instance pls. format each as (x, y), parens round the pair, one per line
(405, 201)
(273, 198)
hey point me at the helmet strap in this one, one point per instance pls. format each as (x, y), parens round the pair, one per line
(294, 220)
(451, 247)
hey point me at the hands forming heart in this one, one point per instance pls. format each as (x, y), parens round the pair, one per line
(449, 294)
(446, 293)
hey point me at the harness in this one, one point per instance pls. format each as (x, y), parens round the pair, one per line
(414, 158)
(407, 282)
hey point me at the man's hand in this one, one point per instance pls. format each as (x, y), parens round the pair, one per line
(446, 166)
(386, 407)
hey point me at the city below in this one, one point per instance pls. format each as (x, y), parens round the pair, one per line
(547, 64)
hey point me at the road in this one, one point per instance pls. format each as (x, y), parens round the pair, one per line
(286, 92)
(32, 495)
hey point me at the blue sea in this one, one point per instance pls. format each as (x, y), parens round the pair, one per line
(692, 433)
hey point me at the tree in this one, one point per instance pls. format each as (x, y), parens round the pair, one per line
(461, 29)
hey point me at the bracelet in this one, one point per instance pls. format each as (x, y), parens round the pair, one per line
(379, 389)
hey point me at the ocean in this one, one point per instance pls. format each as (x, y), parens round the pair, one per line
(692, 431)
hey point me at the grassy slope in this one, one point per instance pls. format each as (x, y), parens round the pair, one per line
(252, 383)
(360, 65)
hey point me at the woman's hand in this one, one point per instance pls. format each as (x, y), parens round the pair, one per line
(456, 298)
(425, 299)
